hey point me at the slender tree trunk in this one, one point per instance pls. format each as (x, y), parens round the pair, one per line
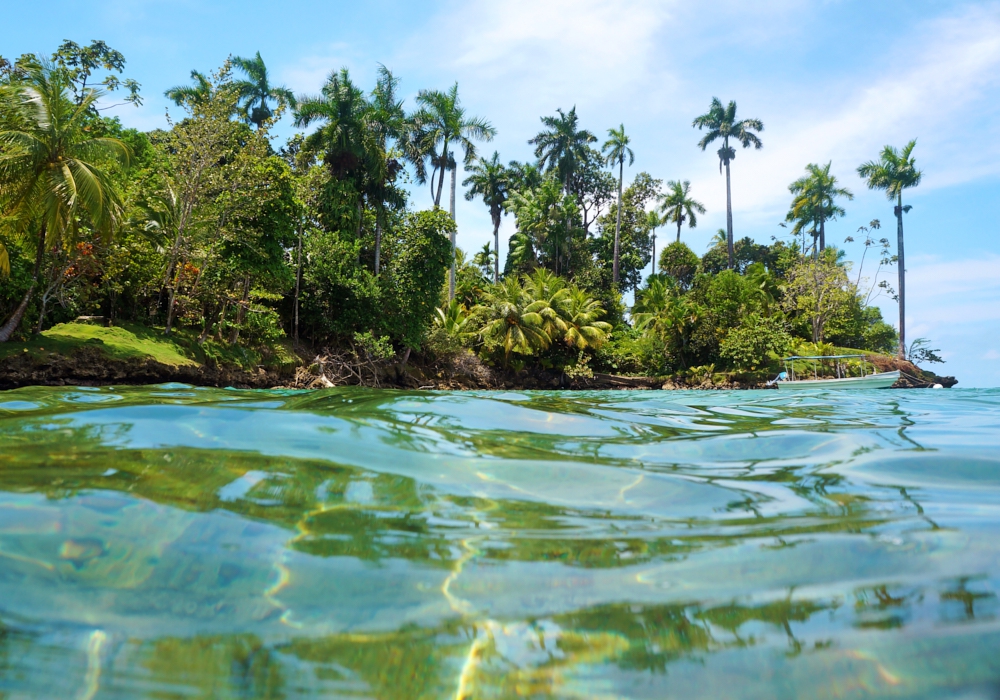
(679, 222)
(7, 330)
(822, 232)
(902, 277)
(444, 164)
(496, 248)
(451, 276)
(378, 242)
(729, 218)
(241, 312)
(618, 221)
(298, 282)
(654, 251)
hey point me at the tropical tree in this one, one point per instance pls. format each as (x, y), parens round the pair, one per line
(198, 93)
(562, 146)
(616, 148)
(53, 174)
(439, 125)
(815, 201)
(893, 172)
(721, 123)
(548, 293)
(256, 92)
(386, 121)
(509, 320)
(489, 179)
(581, 315)
(342, 109)
(673, 320)
(678, 206)
(654, 221)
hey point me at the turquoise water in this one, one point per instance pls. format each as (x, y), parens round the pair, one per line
(174, 542)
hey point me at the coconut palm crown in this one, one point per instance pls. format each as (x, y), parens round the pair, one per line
(893, 172)
(616, 149)
(721, 123)
(256, 92)
(678, 206)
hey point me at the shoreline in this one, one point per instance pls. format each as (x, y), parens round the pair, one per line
(90, 366)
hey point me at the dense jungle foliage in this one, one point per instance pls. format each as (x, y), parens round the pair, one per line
(210, 227)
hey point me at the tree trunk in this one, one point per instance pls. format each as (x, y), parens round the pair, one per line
(7, 330)
(618, 221)
(496, 249)
(451, 276)
(729, 218)
(15, 319)
(902, 277)
(654, 251)
(444, 164)
(241, 312)
(378, 242)
(298, 283)
(822, 232)
(679, 222)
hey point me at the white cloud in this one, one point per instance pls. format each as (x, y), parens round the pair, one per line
(926, 93)
(991, 355)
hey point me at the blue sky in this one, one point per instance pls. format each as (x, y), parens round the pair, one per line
(831, 80)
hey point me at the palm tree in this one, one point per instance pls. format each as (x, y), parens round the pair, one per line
(721, 123)
(490, 180)
(616, 148)
(894, 172)
(52, 170)
(678, 206)
(257, 92)
(343, 109)
(547, 293)
(815, 200)
(199, 93)
(385, 120)
(581, 316)
(510, 320)
(440, 124)
(654, 221)
(561, 147)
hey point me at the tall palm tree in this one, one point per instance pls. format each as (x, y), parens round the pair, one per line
(653, 222)
(342, 108)
(562, 146)
(52, 170)
(895, 171)
(441, 124)
(490, 180)
(199, 93)
(815, 200)
(257, 92)
(385, 120)
(678, 206)
(616, 148)
(721, 123)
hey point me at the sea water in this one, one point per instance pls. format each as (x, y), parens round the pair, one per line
(176, 542)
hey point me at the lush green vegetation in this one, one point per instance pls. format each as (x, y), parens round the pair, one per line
(209, 231)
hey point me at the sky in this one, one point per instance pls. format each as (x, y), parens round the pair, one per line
(832, 80)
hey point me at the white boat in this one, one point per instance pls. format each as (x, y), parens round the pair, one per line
(788, 380)
(883, 380)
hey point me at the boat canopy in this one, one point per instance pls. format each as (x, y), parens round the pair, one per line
(820, 357)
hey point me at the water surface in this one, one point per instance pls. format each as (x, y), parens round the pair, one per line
(175, 542)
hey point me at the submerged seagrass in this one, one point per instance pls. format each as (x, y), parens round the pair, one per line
(173, 542)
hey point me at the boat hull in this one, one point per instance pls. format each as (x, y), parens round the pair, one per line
(872, 381)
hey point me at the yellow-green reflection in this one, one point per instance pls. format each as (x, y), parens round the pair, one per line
(175, 542)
